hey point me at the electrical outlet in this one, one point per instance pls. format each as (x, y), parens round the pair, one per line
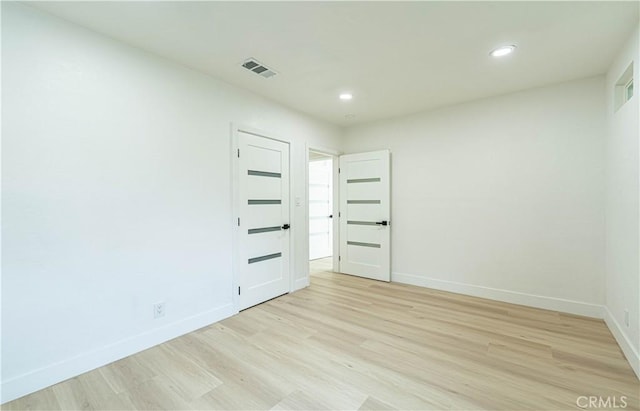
(626, 318)
(158, 310)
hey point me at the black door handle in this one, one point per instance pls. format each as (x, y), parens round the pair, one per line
(330, 215)
(382, 222)
(286, 227)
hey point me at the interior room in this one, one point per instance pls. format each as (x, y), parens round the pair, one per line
(320, 205)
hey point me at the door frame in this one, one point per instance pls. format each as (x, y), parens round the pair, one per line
(335, 156)
(235, 206)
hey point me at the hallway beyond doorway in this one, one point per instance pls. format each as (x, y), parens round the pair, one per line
(321, 265)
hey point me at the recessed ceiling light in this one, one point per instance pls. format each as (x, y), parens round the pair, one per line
(503, 51)
(346, 96)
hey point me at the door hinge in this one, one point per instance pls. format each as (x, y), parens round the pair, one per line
(338, 170)
(238, 290)
(339, 258)
(238, 221)
(339, 214)
(238, 153)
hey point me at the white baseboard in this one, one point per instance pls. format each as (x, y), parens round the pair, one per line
(300, 283)
(44, 377)
(52, 374)
(531, 300)
(514, 297)
(623, 341)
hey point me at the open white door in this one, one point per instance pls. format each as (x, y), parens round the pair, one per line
(263, 240)
(320, 208)
(365, 209)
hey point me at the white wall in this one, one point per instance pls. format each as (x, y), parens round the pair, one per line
(116, 195)
(501, 198)
(623, 208)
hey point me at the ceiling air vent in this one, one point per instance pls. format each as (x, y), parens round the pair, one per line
(258, 68)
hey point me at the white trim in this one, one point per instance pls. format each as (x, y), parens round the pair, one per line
(301, 283)
(235, 213)
(335, 155)
(32, 381)
(305, 272)
(323, 150)
(336, 213)
(531, 300)
(514, 297)
(627, 348)
(292, 213)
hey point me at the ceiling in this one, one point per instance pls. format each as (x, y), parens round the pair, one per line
(315, 156)
(396, 58)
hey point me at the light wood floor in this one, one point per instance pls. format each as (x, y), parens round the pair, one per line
(320, 265)
(351, 343)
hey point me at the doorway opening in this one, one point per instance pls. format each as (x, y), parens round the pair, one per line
(321, 212)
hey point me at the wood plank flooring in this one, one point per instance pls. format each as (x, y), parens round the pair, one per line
(351, 343)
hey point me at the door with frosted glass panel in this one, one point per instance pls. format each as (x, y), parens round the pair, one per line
(264, 233)
(365, 209)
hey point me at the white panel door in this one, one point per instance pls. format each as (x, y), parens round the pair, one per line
(365, 232)
(320, 209)
(263, 192)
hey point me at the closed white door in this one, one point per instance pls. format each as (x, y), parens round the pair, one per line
(320, 208)
(365, 231)
(263, 249)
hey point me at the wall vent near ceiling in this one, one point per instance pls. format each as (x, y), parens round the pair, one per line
(258, 68)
